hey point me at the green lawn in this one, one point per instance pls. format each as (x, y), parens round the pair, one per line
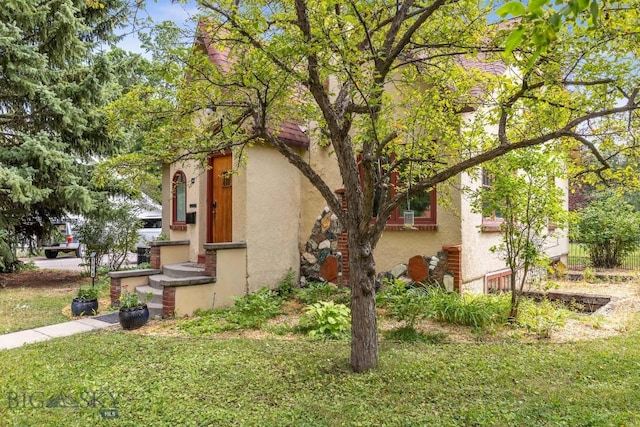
(25, 308)
(194, 381)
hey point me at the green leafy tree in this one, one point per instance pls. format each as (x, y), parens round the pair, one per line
(384, 86)
(610, 229)
(52, 83)
(111, 229)
(524, 190)
(539, 23)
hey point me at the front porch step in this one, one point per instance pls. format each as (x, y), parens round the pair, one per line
(183, 270)
(144, 291)
(155, 310)
(159, 280)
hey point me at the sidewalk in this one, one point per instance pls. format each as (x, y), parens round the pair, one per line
(44, 333)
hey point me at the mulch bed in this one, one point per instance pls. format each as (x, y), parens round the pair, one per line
(40, 279)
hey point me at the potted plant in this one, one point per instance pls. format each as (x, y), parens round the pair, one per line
(133, 313)
(86, 301)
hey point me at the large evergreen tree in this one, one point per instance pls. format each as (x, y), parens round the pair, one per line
(52, 82)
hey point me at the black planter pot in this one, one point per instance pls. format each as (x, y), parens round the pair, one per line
(133, 318)
(86, 307)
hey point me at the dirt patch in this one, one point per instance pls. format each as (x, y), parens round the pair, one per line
(41, 279)
(617, 317)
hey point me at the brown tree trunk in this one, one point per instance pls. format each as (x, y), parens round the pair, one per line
(515, 300)
(364, 329)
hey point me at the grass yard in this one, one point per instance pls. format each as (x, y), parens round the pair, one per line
(38, 298)
(24, 309)
(165, 381)
(254, 364)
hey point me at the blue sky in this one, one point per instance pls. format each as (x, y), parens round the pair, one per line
(158, 11)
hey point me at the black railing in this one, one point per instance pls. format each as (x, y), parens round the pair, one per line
(579, 258)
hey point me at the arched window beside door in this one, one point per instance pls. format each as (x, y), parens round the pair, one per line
(179, 204)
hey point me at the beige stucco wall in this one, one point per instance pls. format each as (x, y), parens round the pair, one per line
(129, 284)
(323, 161)
(273, 199)
(174, 254)
(477, 258)
(191, 298)
(196, 194)
(231, 276)
(396, 247)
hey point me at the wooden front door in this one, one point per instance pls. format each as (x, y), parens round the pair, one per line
(220, 199)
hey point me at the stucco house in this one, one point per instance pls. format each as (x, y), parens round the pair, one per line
(233, 230)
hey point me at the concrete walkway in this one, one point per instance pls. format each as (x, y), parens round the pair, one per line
(44, 333)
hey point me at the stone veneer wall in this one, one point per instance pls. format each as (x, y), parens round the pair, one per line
(424, 269)
(326, 256)
(320, 258)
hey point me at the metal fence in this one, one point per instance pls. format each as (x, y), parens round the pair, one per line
(579, 258)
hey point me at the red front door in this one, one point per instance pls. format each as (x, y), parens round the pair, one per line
(220, 199)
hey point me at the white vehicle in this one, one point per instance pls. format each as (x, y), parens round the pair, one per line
(63, 241)
(151, 228)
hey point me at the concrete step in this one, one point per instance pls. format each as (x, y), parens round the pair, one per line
(155, 310)
(183, 270)
(144, 291)
(159, 280)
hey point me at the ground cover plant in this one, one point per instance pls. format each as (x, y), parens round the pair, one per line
(411, 303)
(249, 312)
(326, 319)
(168, 381)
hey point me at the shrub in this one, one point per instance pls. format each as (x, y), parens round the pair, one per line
(322, 291)
(88, 293)
(404, 304)
(541, 318)
(286, 286)
(589, 275)
(252, 310)
(610, 228)
(326, 319)
(110, 229)
(469, 310)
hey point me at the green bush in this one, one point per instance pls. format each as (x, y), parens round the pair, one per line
(610, 229)
(249, 312)
(479, 311)
(541, 318)
(326, 319)
(110, 229)
(323, 291)
(253, 310)
(404, 304)
(286, 286)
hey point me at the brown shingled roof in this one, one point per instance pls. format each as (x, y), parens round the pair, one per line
(292, 134)
(497, 68)
(481, 63)
(216, 56)
(288, 132)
